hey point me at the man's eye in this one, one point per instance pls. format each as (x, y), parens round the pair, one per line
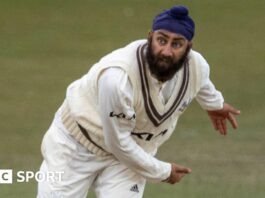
(176, 44)
(161, 41)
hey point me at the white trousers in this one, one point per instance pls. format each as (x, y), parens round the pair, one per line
(83, 170)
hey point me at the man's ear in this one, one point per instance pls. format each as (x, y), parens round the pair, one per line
(190, 44)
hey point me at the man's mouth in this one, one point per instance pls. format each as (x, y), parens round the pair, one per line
(163, 61)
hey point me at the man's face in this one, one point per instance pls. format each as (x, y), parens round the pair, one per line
(166, 53)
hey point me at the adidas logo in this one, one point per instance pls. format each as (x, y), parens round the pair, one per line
(134, 188)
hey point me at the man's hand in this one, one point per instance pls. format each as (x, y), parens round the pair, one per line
(177, 172)
(219, 117)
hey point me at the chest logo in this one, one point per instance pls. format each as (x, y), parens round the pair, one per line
(122, 115)
(147, 136)
(185, 105)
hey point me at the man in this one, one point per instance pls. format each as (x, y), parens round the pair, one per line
(113, 120)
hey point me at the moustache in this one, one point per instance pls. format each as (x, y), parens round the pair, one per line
(164, 59)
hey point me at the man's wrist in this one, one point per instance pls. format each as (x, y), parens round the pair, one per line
(168, 173)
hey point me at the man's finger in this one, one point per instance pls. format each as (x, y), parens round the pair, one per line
(224, 126)
(214, 122)
(183, 170)
(232, 120)
(220, 127)
(233, 110)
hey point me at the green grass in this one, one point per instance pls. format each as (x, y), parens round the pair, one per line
(45, 45)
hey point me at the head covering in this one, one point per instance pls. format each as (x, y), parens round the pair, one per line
(175, 20)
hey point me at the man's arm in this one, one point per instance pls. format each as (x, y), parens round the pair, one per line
(212, 101)
(115, 95)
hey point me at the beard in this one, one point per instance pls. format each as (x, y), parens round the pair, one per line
(164, 68)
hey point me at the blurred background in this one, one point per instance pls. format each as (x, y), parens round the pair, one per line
(45, 45)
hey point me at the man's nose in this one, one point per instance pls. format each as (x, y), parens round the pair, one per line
(167, 51)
